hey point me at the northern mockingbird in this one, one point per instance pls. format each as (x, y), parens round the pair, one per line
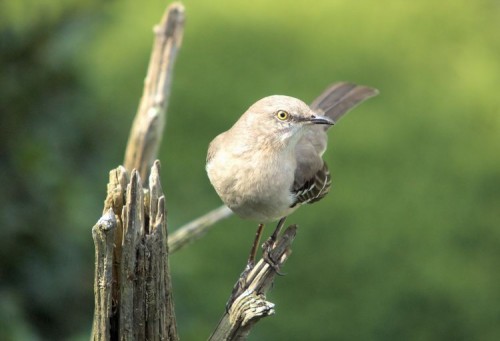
(269, 163)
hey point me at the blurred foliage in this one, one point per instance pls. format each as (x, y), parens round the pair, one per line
(407, 245)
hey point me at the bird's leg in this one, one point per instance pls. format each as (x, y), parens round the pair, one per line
(269, 244)
(274, 236)
(255, 245)
(240, 285)
(253, 252)
(267, 247)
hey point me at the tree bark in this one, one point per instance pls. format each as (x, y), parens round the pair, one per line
(132, 285)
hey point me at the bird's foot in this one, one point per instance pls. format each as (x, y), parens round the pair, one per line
(269, 245)
(266, 255)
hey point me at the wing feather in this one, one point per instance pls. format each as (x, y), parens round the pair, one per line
(313, 189)
(339, 98)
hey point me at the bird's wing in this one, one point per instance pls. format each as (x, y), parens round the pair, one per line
(314, 188)
(339, 98)
(312, 178)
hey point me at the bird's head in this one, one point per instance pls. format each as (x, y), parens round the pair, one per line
(281, 118)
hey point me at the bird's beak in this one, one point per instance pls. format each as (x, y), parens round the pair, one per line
(318, 119)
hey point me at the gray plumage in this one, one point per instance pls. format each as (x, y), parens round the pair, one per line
(270, 162)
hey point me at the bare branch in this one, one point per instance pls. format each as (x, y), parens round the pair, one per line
(195, 229)
(147, 129)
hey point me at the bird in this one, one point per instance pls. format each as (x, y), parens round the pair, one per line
(269, 163)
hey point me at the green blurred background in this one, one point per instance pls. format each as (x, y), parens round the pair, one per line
(406, 246)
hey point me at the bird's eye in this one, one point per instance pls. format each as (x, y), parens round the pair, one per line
(282, 115)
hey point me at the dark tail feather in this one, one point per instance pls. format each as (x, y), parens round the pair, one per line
(339, 98)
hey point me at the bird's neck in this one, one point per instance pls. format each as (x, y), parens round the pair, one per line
(272, 144)
(255, 140)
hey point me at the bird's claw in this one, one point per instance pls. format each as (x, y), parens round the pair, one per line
(266, 255)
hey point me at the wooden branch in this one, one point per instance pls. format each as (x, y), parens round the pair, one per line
(197, 228)
(249, 303)
(147, 129)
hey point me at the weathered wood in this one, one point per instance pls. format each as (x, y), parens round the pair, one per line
(103, 234)
(160, 316)
(115, 199)
(133, 297)
(248, 303)
(147, 129)
(133, 228)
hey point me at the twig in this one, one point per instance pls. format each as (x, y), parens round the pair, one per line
(249, 303)
(195, 229)
(147, 129)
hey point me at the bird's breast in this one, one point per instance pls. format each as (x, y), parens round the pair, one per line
(254, 184)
